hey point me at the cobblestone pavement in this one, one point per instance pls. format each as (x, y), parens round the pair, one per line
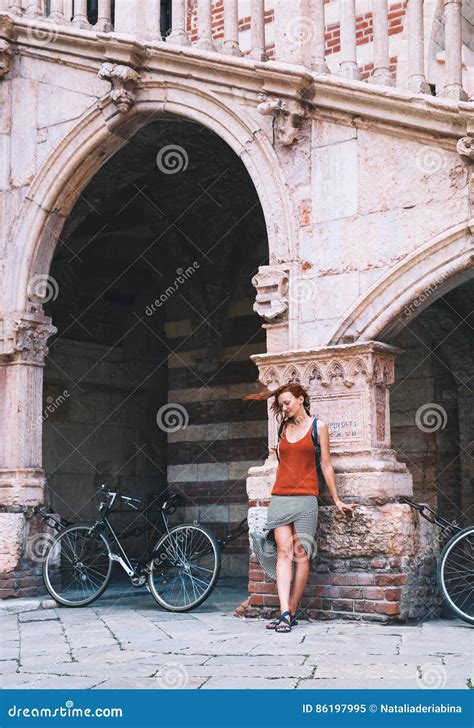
(125, 641)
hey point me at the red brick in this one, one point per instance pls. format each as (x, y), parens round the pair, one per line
(354, 578)
(387, 607)
(393, 595)
(343, 605)
(378, 563)
(262, 587)
(352, 593)
(374, 592)
(391, 579)
(362, 606)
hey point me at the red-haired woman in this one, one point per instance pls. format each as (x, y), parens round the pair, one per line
(292, 516)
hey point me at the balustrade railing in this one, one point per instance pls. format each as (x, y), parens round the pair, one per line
(299, 33)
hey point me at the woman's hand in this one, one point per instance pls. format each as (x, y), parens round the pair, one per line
(343, 507)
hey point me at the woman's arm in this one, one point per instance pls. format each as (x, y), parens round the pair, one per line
(328, 470)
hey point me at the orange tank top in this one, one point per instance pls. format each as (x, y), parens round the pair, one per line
(296, 473)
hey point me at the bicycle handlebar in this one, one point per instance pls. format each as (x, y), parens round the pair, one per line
(112, 494)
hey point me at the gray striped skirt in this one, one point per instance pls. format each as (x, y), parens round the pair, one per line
(302, 510)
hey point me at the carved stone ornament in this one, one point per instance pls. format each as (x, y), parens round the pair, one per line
(465, 147)
(272, 289)
(6, 57)
(30, 341)
(288, 118)
(123, 79)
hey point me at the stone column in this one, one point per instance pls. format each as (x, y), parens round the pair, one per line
(367, 567)
(57, 12)
(178, 35)
(104, 16)
(22, 353)
(318, 58)
(381, 73)
(453, 88)
(204, 25)
(348, 66)
(230, 44)
(80, 14)
(293, 31)
(257, 30)
(416, 48)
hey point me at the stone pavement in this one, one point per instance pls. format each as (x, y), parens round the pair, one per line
(124, 640)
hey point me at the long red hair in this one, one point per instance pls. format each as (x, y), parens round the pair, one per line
(296, 390)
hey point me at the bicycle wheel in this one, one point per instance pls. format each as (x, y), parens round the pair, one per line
(185, 567)
(77, 566)
(456, 574)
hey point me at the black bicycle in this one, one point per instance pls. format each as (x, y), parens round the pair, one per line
(180, 571)
(455, 570)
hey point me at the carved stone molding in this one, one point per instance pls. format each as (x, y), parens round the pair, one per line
(123, 79)
(289, 115)
(24, 339)
(343, 365)
(6, 57)
(348, 388)
(272, 293)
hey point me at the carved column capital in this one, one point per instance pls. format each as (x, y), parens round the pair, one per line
(272, 293)
(124, 80)
(24, 339)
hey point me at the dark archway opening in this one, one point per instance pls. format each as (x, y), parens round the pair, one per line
(432, 405)
(154, 310)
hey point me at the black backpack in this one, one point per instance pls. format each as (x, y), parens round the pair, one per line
(317, 450)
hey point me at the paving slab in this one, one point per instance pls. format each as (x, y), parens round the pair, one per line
(126, 641)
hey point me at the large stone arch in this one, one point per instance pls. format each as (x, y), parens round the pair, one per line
(432, 270)
(97, 136)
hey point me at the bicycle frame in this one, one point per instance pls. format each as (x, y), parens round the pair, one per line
(103, 524)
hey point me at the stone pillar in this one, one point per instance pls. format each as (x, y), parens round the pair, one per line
(373, 566)
(453, 88)
(178, 34)
(80, 14)
(231, 28)
(348, 67)
(293, 31)
(416, 48)
(318, 57)
(204, 25)
(381, 73)
(257, 30)
(23, 349)
(56, 14)
(104, 16)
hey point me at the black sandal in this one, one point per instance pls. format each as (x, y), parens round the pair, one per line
(274, 622)
(284, 623)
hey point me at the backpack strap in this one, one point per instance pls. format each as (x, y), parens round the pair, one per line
(280, 432)
(317, 451)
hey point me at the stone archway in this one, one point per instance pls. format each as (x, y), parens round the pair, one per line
(100, 133)
(406, 289)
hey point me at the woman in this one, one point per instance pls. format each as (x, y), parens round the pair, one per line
(292, 515)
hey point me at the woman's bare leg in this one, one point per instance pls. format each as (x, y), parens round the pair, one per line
(301, 572)
(284, 542)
